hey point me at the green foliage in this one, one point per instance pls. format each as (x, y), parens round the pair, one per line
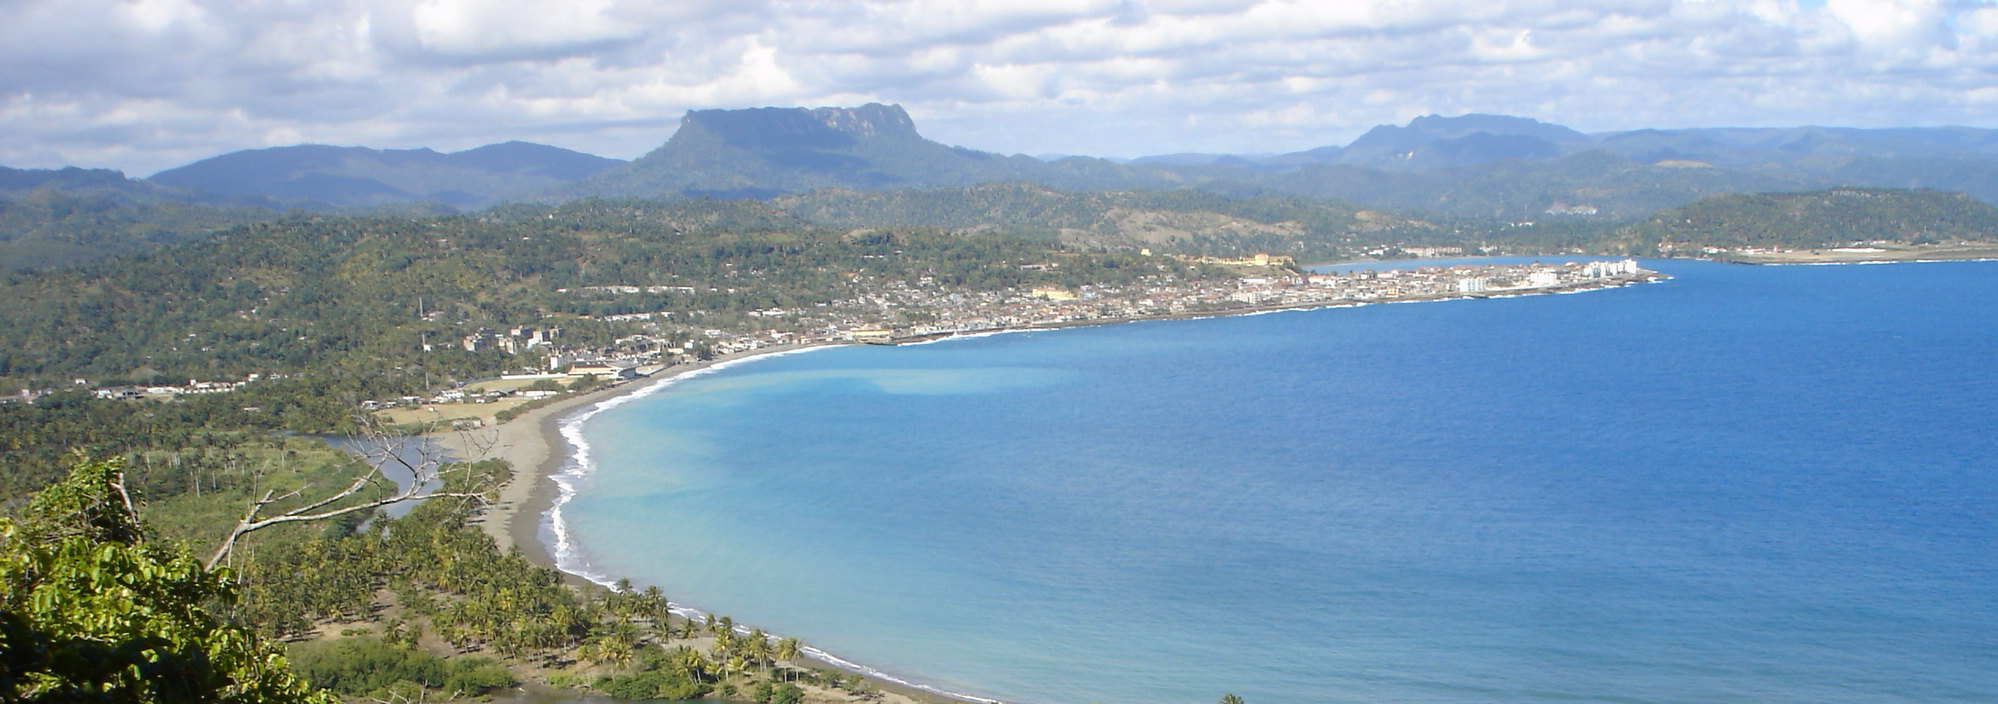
(1187, 221)
(787, 693)
(359, 666)
(667, 685)
(89, 610)
(545, 385)
(343, 306)
(66, 227)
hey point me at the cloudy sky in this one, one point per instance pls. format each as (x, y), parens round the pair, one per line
(144, 85)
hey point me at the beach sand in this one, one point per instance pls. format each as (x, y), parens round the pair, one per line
(532, 444)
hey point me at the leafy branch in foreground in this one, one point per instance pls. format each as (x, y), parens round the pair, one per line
(92, 611)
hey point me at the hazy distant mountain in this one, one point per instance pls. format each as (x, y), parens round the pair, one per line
(764, 152)
(1437, 142)
(108, 185)
(316, 175)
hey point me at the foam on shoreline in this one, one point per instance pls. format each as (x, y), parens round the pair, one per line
(575, 472)
(569, 479)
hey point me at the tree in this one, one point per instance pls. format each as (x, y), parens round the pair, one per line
(545, 385)
(426, 473)
(92, 611)
(788, 693)
(1230, 698)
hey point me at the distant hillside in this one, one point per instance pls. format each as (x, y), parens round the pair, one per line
(108, 185)
(60, 217)
(319, 176)
(1183, 221)
(1513, 168)
(1590, 186)
(1823, 218)
(1437, 142)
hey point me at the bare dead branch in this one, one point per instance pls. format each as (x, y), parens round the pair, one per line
(426, 471)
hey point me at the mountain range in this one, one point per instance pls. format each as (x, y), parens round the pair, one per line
(1470, 165)
(316, 174)
(1476, 170)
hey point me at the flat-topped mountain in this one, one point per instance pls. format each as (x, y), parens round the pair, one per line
(317, 175)
(764, 152)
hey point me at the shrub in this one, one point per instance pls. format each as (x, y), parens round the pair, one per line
(363, 666)
(668, 685)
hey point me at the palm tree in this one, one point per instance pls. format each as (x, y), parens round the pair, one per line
(757, 647)
(1230, 698)
(690, 661)
(735, 665)
(787, 650)
(724, 644)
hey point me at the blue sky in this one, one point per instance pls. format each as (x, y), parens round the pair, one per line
(143, 85)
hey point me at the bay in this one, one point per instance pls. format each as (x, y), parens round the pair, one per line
(1768, 484)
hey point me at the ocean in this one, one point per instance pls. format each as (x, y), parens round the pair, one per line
(1744, 484)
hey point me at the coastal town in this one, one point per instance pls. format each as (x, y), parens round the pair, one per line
(896, 312)
(893, 312)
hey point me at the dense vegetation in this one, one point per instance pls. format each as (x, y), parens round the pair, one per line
(49, 229)
(1183, 221)
(92, 610)
(352, 301)
(1823, 218)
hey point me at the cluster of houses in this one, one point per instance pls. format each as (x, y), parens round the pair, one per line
(193, 386)
(519, 339)
(900, 312)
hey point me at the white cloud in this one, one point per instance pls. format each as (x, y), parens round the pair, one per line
(150, 84)
(513, 27)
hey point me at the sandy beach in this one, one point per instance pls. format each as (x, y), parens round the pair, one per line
(533, 445)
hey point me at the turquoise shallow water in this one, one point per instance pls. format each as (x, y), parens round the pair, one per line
(1744, 484)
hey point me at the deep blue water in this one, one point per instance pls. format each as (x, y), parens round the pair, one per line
(1746, 484)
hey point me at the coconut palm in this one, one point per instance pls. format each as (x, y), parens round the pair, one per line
(787, 650)
(690, 661)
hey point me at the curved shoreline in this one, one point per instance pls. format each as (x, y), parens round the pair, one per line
(540, 449)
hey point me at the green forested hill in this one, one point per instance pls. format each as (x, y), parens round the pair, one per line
(48, 229)
(1820, 218)
(358, 297)
(1179, 221)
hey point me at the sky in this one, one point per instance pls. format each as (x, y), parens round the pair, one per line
(145, 85)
